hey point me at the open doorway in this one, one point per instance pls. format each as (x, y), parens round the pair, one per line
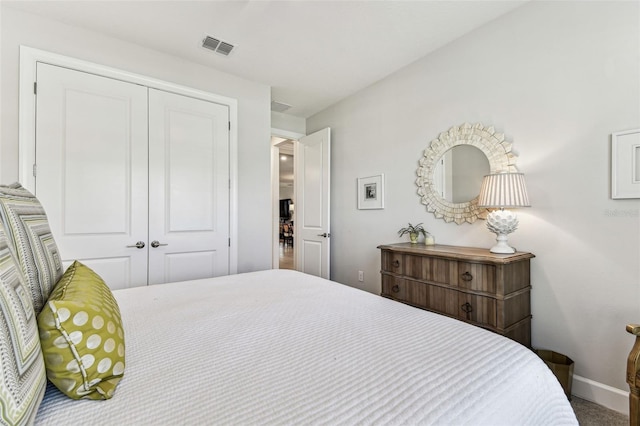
(284, 202)
(310, 215)
(286, 206)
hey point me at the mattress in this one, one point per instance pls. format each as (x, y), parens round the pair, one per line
(282, 347)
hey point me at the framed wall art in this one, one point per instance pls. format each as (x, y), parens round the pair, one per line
(625, 164)
(371, 192)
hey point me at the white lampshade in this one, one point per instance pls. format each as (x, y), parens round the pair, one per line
(503, 190)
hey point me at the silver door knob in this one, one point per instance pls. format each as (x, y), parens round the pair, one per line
(138, 245)
(156, 243)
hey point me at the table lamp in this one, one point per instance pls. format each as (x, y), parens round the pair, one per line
(502, 191)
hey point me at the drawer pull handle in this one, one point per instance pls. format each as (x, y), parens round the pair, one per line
(467, 307)
(467, 276)
(395, 289)
(396, 263)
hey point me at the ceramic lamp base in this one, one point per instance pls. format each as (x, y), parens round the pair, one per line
(502, 223)
(502, 246)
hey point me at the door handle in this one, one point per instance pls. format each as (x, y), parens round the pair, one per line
(138, 245)
(156, 243)
(324, 235)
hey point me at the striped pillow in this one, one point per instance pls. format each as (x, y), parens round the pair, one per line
(30, 238)
(22, 371)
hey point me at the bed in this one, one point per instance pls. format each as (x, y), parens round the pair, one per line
(282, 347)
(270, 347)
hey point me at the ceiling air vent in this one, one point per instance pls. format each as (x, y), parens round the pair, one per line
(217, 46)
(279, 106)
(224, 48)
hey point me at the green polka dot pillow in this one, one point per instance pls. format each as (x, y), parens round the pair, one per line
(81, 335)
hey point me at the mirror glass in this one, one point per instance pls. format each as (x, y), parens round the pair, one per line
(457, 175)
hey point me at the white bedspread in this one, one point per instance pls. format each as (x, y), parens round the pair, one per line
(281, 347)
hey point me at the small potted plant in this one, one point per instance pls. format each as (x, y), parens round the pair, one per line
(414, 231)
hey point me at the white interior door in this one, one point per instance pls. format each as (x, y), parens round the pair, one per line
(91, 157)
(312, 226)
(188, 188)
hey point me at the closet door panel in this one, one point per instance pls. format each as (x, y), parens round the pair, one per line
(91, 156)
(188, 188)
(95, 163)
(190, 166)
(189, 266)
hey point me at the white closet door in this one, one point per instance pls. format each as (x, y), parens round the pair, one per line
(91, 156)
(188, 188)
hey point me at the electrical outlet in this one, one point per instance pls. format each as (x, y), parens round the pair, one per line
(360, 276)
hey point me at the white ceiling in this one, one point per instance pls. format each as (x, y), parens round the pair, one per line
(312, 53)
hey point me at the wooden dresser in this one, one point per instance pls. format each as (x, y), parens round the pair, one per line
(471, 284)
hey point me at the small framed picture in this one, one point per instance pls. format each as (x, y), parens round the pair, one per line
(625, 164)
(371, 192)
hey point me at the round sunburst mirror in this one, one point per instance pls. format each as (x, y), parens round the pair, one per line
(452, 167)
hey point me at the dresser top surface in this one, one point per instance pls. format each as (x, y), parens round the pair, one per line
(457, 252)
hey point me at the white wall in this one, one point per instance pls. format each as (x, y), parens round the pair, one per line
(254, 203)
(287, 122)
(557, 78)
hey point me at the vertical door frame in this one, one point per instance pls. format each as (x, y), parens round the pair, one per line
(29, 57)
(275, 192)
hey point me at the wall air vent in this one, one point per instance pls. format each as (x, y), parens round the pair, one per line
(217, 46)
(279, 106)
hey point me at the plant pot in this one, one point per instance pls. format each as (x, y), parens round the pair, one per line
(413, 237)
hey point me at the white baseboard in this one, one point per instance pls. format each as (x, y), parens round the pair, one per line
(601, 394)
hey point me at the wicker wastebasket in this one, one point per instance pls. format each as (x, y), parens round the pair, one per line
(561, 366)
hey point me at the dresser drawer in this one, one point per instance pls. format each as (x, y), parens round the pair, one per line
(443, 300)
(404, 290)
(473, 308)
(392, 262)
(432, 269)
(476, 277)
(393, 287)
(478, 309)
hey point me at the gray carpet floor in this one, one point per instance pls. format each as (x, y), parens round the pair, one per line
(591, 414)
